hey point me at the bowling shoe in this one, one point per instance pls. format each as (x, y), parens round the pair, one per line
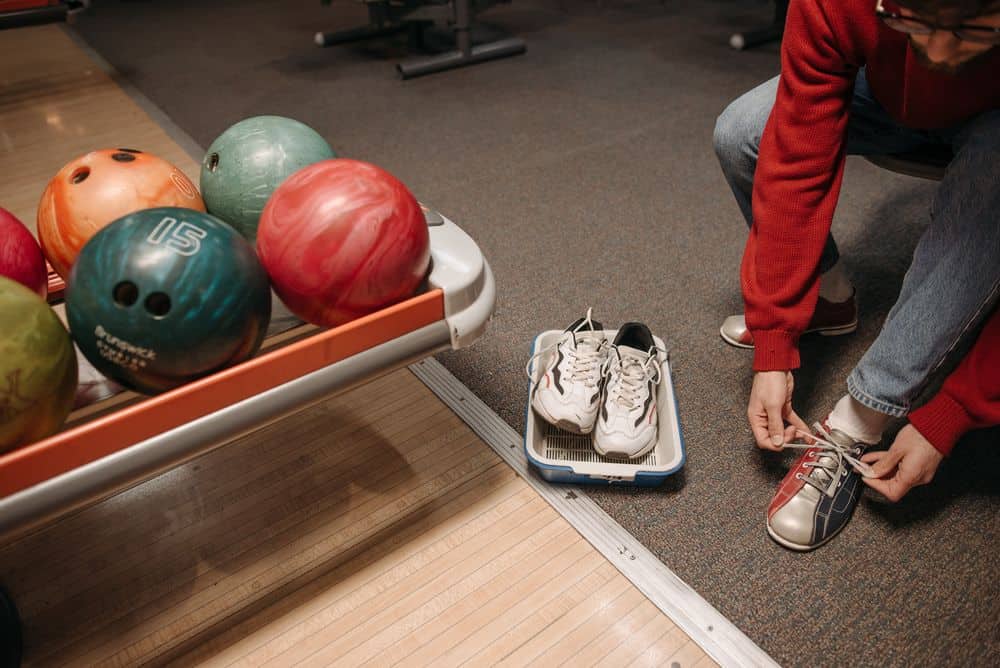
(819, 493)
(829, 319)
(566, 393)
(627, 422)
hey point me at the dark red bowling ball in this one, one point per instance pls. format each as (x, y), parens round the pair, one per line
(341, 239)
(20, 255)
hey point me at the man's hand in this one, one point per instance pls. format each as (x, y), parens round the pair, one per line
(771, 407)
(911, 460)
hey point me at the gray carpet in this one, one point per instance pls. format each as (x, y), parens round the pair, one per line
(585, 172)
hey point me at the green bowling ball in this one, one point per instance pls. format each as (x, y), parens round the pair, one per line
(38, 369)
(244, 165)
(164, 296)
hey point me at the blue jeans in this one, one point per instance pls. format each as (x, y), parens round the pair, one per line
(954, 278)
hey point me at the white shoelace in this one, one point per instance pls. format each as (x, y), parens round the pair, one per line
(632, 377)
(584, 354)
(836, 456)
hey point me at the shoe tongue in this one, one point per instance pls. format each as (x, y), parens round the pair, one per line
(826, 457)
(627, 352)
(842, 439)
(589, 336)
(584, 326)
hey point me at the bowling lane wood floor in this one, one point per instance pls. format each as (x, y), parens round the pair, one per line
(56, 104)
(374, 528)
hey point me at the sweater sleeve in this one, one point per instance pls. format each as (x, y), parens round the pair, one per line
(797, 182)
(969, 398)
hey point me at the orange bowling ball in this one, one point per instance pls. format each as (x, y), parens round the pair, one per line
(102, 186)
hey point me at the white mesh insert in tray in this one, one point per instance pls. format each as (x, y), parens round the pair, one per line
(564, 446)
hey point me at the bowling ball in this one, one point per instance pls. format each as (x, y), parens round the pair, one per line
(101, 186)
(37, 367)
(20, 257)
(163, 296)
(341, 239)
(248, 161)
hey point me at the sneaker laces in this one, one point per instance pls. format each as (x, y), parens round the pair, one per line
(585, 355)
(831, 462)
(632, 377)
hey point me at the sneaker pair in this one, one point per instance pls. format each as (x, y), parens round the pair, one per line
(590, 385)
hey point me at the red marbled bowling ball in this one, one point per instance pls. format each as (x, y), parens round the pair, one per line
(21, 257)
(341, 239)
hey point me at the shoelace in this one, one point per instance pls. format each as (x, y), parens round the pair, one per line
(584, 355)
(632, 377)
(836, 456)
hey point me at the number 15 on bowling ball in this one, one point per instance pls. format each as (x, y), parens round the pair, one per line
(164, 296)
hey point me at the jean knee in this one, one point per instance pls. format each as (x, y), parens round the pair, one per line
(731, 136)
(739, 127)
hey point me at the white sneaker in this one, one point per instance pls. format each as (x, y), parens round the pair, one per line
(627, 422)
(568, 391)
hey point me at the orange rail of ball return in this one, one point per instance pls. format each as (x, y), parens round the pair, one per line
(67, 450)
(13, 5)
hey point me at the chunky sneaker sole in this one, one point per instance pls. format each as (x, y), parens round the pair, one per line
(817, 497)
(627, 423)
(638, 454)
(829, 319)
(573, 427)
(567, 392)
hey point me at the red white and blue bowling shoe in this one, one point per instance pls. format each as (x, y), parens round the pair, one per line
(627, 423)
(817, 497)
(567, 392)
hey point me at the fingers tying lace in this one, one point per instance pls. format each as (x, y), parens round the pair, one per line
(830, 459)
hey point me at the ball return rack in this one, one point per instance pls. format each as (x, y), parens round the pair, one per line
(22, 13)
(123, 439)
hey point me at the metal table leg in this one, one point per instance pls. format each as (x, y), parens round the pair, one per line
(465, 53)
(416, 67)
(771, 33)
(379, 25)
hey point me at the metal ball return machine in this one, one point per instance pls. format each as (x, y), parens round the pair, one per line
(116, 439)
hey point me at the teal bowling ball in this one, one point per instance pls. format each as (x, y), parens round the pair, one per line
(164, 296)
(244, 165)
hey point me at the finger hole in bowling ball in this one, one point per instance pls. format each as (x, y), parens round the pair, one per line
(123, 156)
(213, 162)
(130, 150)
(158, 304)
(79, 175)
(126, 293)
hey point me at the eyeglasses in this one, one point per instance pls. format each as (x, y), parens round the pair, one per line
(915, 26)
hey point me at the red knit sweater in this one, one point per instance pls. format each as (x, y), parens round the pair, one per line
(801, 161)
(970, 397)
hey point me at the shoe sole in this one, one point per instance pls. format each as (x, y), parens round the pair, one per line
(565, 425)
(805, 548)
(834, 331)
(642, 453)
(825, 331)
(733, 342)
